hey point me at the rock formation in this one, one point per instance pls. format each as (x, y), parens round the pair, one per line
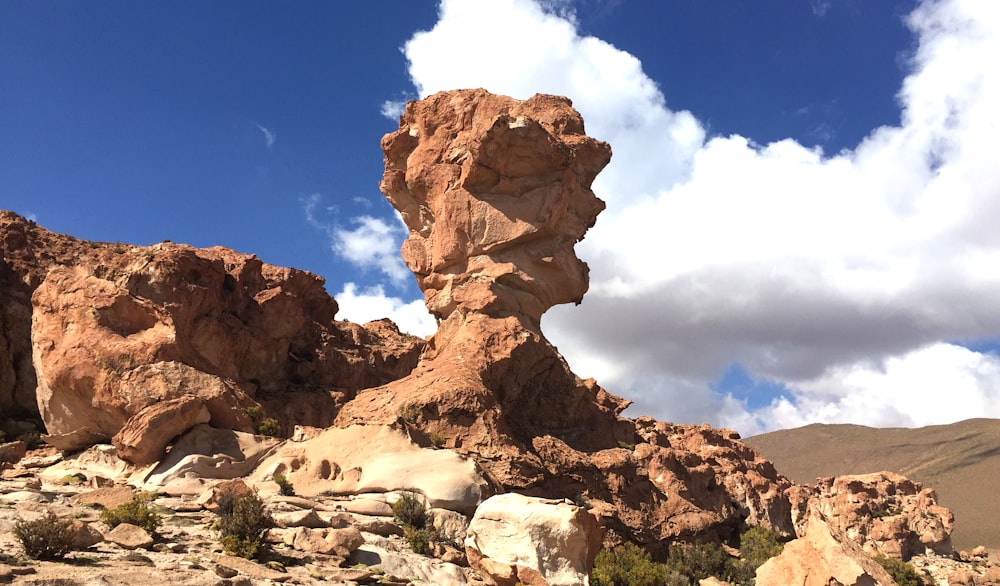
(514, 539)
(105, 331)
(495, 193)
(885, 513)
(148, 346)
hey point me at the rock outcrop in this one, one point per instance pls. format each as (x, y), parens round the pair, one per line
(105, 330)
(884, 512)
(495, 193)
(514, 539)
(821, 557)
(148, 346)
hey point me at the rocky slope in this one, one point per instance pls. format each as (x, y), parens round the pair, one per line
(152, 363)
(957, 460)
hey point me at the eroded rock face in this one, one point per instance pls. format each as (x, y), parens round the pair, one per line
(495, 192)
(822, 556)
(885, 512)
(106, 330)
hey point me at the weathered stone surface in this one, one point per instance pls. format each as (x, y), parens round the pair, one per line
(144, 437)
(204, 455)
(129, 536)
(103, 314)
(84, 534)
(108, 498)
(495, 192)
(885, 512)
(364, 459)
(518, 539)
(820, 558)
(12, 452)
(341, 542)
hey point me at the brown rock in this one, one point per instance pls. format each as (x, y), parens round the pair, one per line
(12, 452)
(980, 551)
(84, 534)
(129, 536)
(340, 542)
(146, 434)
(260, 334)
(108, 498)
(885, 512)
(819, 558)
(495, 192)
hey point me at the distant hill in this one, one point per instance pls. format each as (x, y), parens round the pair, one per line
(961, 461)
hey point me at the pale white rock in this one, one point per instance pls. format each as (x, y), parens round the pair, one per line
(370, 458)
(515, 538)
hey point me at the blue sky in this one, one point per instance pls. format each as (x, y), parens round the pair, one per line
(801, 205)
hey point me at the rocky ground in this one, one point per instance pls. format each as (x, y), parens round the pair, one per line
(186, 549)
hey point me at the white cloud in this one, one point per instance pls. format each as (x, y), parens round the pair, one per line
(269, 136)
(807, 269)
(373, 242)
(369, 304)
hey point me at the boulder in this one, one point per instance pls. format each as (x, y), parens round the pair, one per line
(340, 542)
(144, 437)
(84, 534)
(204, 455)
(12, 452)
(820, 558)
(519, 539)
(108, 498)
(129, 536)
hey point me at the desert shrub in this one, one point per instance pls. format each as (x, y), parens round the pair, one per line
(47, 538)
(269, 427)
(437, 440)
(757, 545)
(263, 424)
(698, 561)
(420, 540)
(243, 522)
(135, 512)
(409, 510)
(284, 486)
(902, 572)
(630, 565)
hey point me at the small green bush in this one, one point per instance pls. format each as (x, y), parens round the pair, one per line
(902, 572)
(409, 510)
(437, 440)
(630, 565)
(285, 487)
(269, 427)
(135, 512)
(420, 540)
(47, 538)
(243, 523)
(698, 561)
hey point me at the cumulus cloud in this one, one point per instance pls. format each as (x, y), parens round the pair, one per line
(364, 305)
(373, 242)
(842, 278)
(370, 242)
